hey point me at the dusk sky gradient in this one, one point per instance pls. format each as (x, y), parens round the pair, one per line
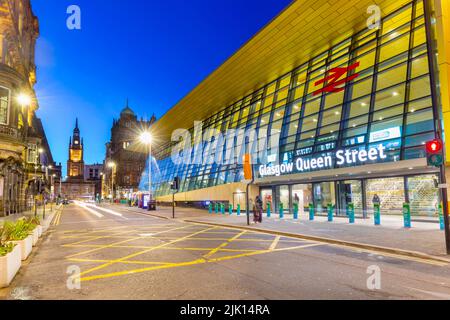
(153, 52)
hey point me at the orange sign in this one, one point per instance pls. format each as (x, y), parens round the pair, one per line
(248, 170)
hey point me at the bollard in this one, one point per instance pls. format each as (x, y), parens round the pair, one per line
(281, 210)
(230, 209)
(311, 212)
(210, 208)
(407, 215)
(330, 212)
(351, 212)
(222, 208)
(376, 214)
(295, 211)
(441, 217)
(239, 209)
(268, 209)
(216, 208)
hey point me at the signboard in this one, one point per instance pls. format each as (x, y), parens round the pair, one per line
(340, 157)
(248, 172)
(385, 134)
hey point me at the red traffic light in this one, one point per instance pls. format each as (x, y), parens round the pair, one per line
(434, 146)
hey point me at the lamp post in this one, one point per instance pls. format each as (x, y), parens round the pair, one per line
(146, 138)
(112, 165)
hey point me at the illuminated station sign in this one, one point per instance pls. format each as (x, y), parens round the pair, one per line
(339, 158)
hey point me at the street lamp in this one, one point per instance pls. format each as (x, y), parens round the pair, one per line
(111, 165)
(24, 99)
(146, 138)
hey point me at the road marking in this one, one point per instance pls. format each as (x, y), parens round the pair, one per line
(95, 213)
(120, 242)
(183, 264)
(141, 252)
(114, 213)
(221, 246)
(274, 243)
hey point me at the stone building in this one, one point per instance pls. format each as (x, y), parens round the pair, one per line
(94, 173)
(76, 186)
(25, 158)
(125, 155)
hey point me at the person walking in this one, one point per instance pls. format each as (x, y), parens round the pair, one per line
(258, 209)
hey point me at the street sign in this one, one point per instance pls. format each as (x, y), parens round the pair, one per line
(248, 170)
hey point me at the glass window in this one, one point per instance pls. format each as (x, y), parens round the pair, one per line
(391, 77)
(4, 105)
(390, 97)
(420, 88)
(423, 195)
(419, 121)
(389, 191)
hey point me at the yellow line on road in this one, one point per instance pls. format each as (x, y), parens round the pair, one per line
(120, 242)
(189, 263)
(142, 252)
(215, 250)
(274, 243)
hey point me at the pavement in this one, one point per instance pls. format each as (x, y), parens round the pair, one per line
(425, 236)
(113, 252)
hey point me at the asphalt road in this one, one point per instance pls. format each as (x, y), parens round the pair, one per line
(112, 253)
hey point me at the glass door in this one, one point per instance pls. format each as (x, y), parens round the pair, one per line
(324, 193)
(302, 195)
(282, 193)
(266, 197)
(350, 191)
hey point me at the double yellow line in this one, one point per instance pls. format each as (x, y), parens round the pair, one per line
(57, 218)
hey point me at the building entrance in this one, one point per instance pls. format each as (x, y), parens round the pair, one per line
(349, 191)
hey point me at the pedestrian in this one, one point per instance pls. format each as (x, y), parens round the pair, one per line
(258, 209)
(376, 199)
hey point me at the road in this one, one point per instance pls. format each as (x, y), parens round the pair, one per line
(119, 254)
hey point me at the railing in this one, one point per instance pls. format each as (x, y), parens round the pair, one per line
(9, 132)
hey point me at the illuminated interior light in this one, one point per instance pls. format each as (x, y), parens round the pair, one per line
(395, 93)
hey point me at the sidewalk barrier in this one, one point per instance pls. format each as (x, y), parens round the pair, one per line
(222, 208)
(230, 209)
(407, 215)
(210, 208)
(216, 208)
(311, 212)
(239, 209)
(268, 209)
(330, 212)
(441, 217)
(376, 214)
(351, 212)
(281, 210)
(295, 211)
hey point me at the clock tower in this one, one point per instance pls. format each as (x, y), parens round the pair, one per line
(75, 164)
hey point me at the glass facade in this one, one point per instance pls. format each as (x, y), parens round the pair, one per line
(385, 101)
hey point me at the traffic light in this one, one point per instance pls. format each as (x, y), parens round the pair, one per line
(176, 183)
(434, 153)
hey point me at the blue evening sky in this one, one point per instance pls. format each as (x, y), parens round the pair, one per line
(153, 52)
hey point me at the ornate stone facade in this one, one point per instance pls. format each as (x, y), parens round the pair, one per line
(126, 153)
(22, 166)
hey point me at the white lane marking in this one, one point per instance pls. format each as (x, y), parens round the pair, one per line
(146, 234)
(82, 205)
(114, 213)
